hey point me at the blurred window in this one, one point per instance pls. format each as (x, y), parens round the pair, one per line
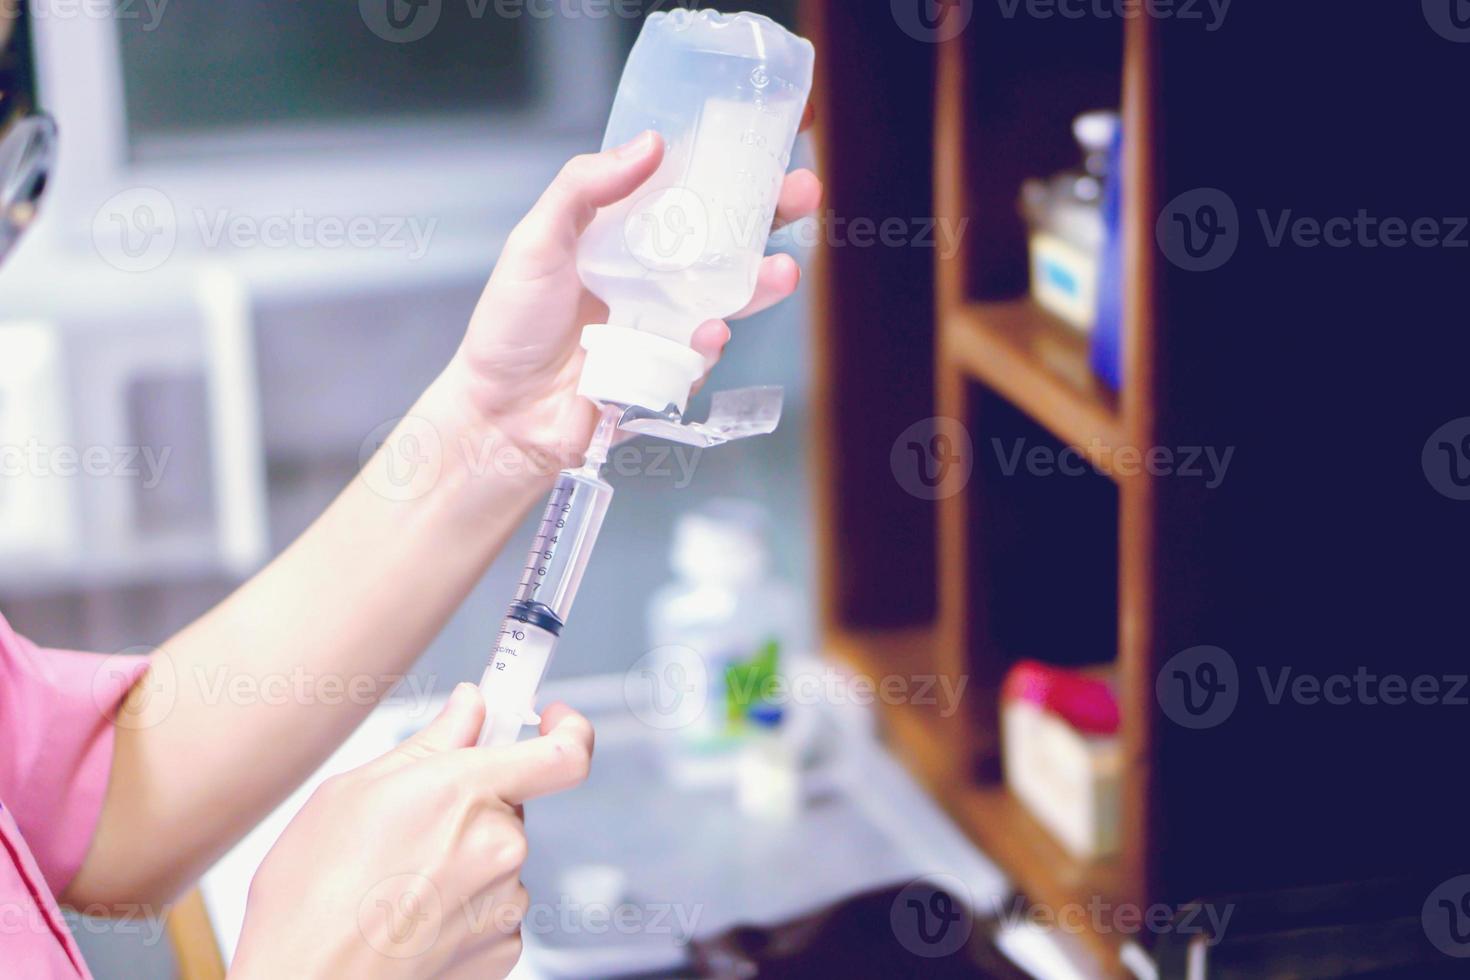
(217, 65)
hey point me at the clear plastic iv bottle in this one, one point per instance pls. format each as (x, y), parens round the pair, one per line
(727, 93)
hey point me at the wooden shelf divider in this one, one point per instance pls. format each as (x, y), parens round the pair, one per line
(1040, 365)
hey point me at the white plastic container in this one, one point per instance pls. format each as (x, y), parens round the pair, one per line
(726, 92)
(728, 610)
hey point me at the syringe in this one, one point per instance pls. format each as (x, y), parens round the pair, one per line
(549, 583)
(564, 543)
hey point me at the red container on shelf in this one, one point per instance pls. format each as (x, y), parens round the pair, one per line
(1061, 753)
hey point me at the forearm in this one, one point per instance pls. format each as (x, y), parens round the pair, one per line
(327, 628)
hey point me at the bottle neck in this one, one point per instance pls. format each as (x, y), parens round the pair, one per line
(657, 320)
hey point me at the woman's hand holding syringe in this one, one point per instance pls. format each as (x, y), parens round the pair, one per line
(362, 592)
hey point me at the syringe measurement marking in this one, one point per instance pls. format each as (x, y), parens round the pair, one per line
(505, 649)
(544, 544)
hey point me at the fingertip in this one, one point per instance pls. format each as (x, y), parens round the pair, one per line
(563, 716)
(780, 274)
(709, 339)
(807, 189)
(784, 272)
(456, 725)
(645, 143)
(570, 723)
(801, 195)
(557, 714)
(711, 336)
(467, 701)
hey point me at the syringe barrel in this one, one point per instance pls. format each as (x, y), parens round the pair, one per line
(549, 583)
(563, 544)
(522, 654)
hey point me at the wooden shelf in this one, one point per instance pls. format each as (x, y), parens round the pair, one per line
(1041, 366)
(1039, 868)
(1043, 870)
(1016, 562)
(914, 648)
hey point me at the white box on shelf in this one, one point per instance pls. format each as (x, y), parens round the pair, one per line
(1068, 779)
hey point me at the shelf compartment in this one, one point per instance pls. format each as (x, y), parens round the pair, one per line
(1041, 366)
(1039, 868)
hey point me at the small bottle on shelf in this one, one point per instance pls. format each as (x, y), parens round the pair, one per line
(1064, 213)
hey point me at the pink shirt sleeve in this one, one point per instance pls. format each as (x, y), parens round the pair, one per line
(56, 735)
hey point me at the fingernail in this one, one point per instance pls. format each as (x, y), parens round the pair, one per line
(462, 691)
(636, 146)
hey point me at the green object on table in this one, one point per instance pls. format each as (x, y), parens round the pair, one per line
(750, 682)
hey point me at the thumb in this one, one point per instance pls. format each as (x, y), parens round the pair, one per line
(456, 727)
(547, 237)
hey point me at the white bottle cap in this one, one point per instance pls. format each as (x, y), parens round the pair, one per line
(1095, 130)
(722, 541)
(633, 367)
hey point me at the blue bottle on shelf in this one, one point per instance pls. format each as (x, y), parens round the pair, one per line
(1107, 334)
